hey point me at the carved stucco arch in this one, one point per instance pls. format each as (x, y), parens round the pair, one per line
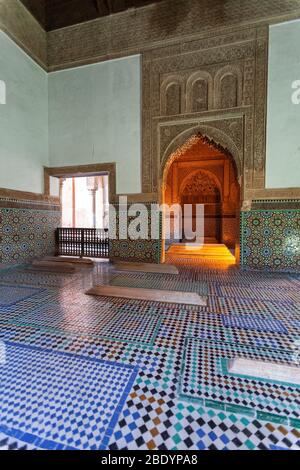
(211, 176)
(199, 75)
(207, 134)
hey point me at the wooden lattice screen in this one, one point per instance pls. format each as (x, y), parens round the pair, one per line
(83, 242)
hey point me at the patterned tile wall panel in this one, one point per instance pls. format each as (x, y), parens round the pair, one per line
(26, 233)
(144, 249)
(270, 239)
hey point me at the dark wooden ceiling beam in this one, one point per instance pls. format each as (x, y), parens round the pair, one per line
(60, 13)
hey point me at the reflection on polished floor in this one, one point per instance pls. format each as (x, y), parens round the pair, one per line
(83, 372)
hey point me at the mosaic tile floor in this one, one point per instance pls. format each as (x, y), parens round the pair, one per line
(83, 372)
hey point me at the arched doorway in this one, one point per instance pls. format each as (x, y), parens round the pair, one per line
(202, 187)
(202, 172)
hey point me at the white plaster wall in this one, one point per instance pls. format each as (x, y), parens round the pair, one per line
(283, 117)
(95, 117)
(23, 120)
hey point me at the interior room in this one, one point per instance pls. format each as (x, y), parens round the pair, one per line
(149, 225)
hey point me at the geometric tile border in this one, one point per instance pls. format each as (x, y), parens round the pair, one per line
(253, 322)
(212, 331)
(204, 377)
(9, 443)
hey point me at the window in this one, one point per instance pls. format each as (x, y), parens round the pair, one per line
(85, 202)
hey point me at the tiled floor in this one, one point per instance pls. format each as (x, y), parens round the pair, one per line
(83, 372)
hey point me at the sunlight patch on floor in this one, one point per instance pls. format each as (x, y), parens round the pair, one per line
(213, 252)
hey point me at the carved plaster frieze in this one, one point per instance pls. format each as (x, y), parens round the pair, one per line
(193, 60)
(241, 54)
